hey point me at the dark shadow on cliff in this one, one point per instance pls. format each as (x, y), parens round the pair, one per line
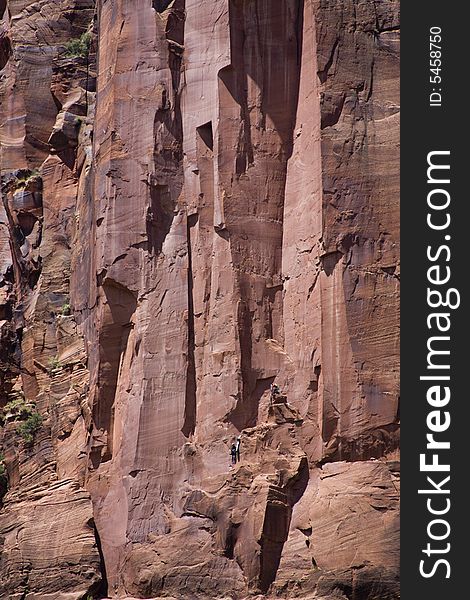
(360, 583)
(266, 42)
(276, 526)
(189, 424)
(5, 48)
(159, 217)
(167, 181)
(279, 96)
(100, 589)
(116, 325)
(161, 5)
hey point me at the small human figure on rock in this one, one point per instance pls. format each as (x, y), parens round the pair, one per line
(237, 447)
(275, 391)
(233, 453)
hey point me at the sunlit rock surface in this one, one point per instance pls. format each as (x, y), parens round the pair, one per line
(199, 199)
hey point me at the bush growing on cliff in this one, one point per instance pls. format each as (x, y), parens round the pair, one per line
(27, 429)
(17, 408)
(25, 413)
(78, 47)
(54, 363)
(24, 176)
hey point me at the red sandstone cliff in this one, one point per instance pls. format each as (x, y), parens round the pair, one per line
(199, 199)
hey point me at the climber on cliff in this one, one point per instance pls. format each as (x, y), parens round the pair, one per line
(237, 447)
(233, 453)
(275, 391)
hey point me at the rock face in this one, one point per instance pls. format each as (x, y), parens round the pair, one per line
(199, 199)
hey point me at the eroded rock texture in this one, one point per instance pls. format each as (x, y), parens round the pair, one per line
(199, 199)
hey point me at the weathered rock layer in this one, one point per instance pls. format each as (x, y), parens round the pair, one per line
(199, 199)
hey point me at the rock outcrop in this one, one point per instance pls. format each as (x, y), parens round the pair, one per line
(199, 199)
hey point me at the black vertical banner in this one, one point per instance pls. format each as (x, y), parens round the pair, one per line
(434, 300)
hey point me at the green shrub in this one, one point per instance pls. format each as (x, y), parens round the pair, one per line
(78, 47)
(25, 413)
(22, 179)
(27, 429)
(54, 363)
(65, 310)
(18, 408)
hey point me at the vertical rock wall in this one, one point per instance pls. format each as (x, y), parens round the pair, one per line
(199, 202)
(48, 542)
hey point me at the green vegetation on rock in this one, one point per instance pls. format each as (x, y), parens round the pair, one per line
(78, 47)
(27, 429)
(25, 413)
(22, 179)
(54, 363)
